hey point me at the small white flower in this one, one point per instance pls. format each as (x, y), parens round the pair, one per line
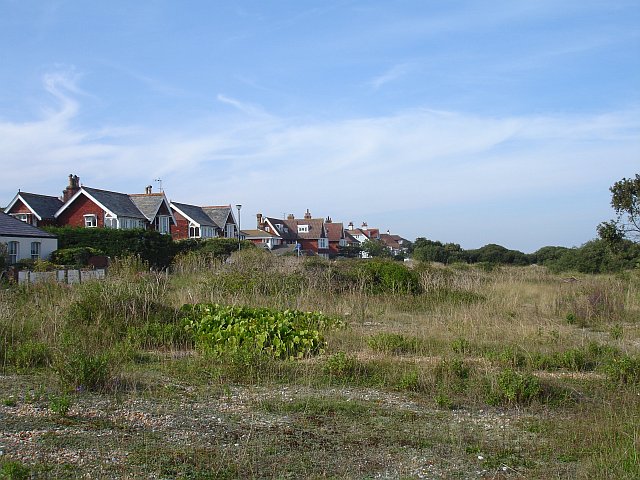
(480, 457)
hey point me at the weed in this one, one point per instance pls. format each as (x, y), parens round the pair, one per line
(84, 371)
(9, 402)
(514, 388)
(410, 381)
(624, 370)
(14, 470)
(31, 354)
(60, 404)
(393, 343)
(461, 346)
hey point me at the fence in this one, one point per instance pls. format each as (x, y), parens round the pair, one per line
(62, 276)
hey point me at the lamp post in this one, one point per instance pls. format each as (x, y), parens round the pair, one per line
(238, 206)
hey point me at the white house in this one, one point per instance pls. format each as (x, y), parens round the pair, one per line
(25, 241)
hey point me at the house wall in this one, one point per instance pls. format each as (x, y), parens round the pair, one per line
(74, 213)
(47, 246)
(180, 230)
(20, 207)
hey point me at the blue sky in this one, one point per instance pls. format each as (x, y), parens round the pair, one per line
(473, 122)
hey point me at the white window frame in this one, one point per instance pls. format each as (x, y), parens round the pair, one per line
(23, 217)
(90, 220)
(323, 243)
(230, 230)
(194, 230)
(13, 249)
(163, 224)
(303, 228)
(35, 250)
(207, 232)
(343, 242)
(111, 222)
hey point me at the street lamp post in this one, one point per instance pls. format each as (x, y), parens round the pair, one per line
(238, 206)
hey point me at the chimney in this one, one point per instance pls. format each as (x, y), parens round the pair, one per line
(388, 232)
(350, 225)
(72, 188)
(291, 217)
(307, 215)
(259, 220)
(148, 189)
(364, 225)
(328, 220)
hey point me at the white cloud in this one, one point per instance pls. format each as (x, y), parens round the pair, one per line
(414, 160)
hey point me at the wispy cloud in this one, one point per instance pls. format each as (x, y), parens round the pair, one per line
(394, 73)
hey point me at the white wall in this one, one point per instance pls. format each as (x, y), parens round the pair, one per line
(47, 246)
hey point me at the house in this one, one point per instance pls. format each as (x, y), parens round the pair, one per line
(310, 233)
(223, 217)
(91, 207)
(34, 209)
(25, 241)
(336, 235)
(192, 222)
(395, 243)
(262, 239)
(363, 234)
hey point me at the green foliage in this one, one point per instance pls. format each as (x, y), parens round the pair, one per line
(156, 249)
(595, 256)
(496, 254)
(375, 248)
(13, 470)
(288, 334)
(624, 370)
(349, 251)
(393, 343)
(514, 388)
(4, 256)
(217, 247)
(625, 200)
(434, 251)
(387, 276)
(410, 381)
(74, 256)
(60, 404)
(30, 354)
(80, 370)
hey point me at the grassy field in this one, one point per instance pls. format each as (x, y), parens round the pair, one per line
(436, 372)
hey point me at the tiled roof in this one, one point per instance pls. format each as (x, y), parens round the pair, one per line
(315, 227)
(118, 203)
(335, 231)
(12, 227)
(195, 213)
(389, 241)
(291, 234)
(148, 203)
(257, 234)
(219, 214)
(44, 206)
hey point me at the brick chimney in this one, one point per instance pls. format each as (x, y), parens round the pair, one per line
(307, 215)
(259, 220)
(72, 188)
(148, 189)
(328, 220)
(291, 216)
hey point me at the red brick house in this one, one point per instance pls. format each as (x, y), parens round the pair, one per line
(310, 233)
(34, 209)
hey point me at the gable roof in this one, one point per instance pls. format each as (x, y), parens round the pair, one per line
(115, 203)
(220, 214)
(291, 234)
(194, 214)
(42, 206)
(149, 204)
(335, 231)
(12, 227)
(249, 234)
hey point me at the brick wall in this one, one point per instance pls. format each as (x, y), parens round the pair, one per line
(74, 213)
(180, 231)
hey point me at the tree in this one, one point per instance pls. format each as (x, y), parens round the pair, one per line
(375, 248)
(625, 200)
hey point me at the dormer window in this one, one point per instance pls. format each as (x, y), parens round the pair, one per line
(303, 228)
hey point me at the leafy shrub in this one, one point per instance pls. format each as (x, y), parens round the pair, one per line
(512, 356)
(393, 343)
(410, 381)
(282, 334)
(13, 470)
(156, 334)
(387, 276)
(514, 388)
(461, 345)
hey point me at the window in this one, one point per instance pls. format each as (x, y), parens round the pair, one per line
(90, 221)
(35, 250)
(343, 242)
(110, 222)
(14, 249)
(23, 217)
(230, 230)
(207, 232)
(163, 224)
(323, 243)
(303, 228)
(194, 231)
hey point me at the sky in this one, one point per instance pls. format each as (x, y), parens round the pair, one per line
(471, 122)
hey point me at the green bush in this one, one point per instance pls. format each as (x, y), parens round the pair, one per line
(74, 256)
(30, 354)
(13, 470)
(84, 371)
(60, 404)
(625, 370)
(387, 276)
(514, 388)
(341, 365)
(393, 343)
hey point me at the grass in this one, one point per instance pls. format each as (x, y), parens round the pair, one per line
(469, 373)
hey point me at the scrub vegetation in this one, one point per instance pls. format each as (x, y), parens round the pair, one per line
(267, 367)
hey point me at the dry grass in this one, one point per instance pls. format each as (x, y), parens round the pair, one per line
(415, 386)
